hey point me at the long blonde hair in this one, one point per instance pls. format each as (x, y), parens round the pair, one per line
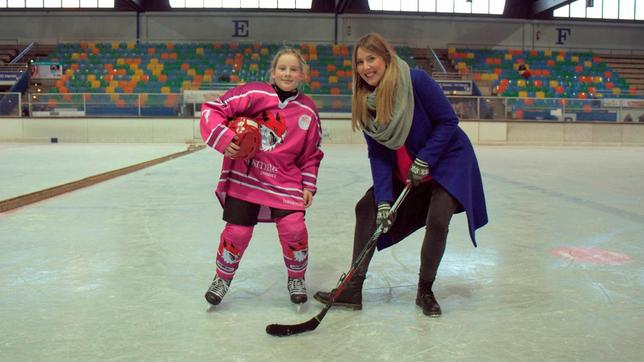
(297, 54)
(374, 43)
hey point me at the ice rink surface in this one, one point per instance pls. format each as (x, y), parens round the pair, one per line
(117, 271)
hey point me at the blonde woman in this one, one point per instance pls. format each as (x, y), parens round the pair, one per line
(413, 137)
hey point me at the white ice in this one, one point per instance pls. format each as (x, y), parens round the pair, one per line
(117, 271)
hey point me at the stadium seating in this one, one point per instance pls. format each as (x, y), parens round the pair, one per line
(557, 74)
(152, 75)
(175, 67)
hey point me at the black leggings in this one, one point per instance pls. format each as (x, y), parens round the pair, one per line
(426, 205)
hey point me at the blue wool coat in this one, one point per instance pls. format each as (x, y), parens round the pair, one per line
(436, 139)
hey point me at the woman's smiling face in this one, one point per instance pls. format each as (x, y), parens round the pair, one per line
(370, 66)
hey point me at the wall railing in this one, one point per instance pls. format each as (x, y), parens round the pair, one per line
(466, 107)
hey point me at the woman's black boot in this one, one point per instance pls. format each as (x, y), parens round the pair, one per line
(350, 297)
(426, 300)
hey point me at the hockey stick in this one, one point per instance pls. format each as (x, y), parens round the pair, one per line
(283, 330)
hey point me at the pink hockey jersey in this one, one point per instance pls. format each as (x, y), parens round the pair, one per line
(289, 156)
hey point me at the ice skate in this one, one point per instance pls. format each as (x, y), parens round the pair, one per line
(217, 290)
(297, 291)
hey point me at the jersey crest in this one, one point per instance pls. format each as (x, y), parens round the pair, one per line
(273, 131)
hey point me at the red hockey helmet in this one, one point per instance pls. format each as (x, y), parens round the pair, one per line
(248, 137)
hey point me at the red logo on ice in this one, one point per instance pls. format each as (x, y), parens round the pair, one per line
(591, 255)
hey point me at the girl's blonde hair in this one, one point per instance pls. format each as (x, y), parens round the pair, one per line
(292, 51)
(374, 43)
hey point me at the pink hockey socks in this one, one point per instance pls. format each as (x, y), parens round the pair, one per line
(232, 243)
(295, 243)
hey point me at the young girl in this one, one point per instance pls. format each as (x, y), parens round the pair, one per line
(278, 182)
(412, 136)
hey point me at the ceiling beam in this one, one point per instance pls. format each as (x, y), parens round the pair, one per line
(351, 6)
(341, 6)
(541, 6)
(128, 5)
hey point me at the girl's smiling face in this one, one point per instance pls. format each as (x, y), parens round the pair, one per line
(288, 72)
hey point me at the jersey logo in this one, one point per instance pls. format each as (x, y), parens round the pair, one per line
(273, 131)
(304, 121)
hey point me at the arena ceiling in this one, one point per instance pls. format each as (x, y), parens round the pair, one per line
(522, 9)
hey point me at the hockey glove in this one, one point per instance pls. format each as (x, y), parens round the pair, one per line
(248, 137)
(417, 172)
(384, 216)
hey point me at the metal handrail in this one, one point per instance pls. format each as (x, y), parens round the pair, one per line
(437, 60)
(17, 67)
(22, 53)
(451, 76)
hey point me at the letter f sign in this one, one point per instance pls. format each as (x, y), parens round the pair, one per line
(562, 34)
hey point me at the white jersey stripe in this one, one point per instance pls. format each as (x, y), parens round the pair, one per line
(299, 198)
(265, 183)
(221, 133)
(306, 107)
(209, 137)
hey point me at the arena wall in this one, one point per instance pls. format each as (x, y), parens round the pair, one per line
(414, 30)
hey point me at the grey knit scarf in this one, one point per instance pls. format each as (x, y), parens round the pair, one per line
(393, 134)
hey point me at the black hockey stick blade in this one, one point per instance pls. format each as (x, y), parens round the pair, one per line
(283, 330)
